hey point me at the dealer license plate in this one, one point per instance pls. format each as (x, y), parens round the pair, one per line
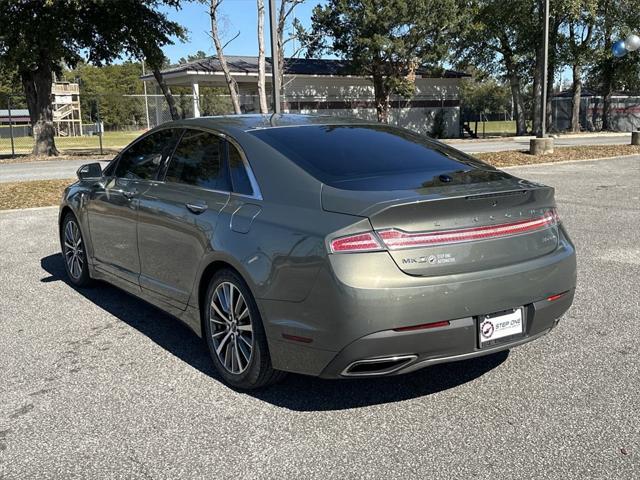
(495, 327)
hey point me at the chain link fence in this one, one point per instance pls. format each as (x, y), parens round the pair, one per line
(101, 124)
(104, 124)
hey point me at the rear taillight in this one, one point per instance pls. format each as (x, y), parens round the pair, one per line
(394, 239)
(361, 242)
(398, 239)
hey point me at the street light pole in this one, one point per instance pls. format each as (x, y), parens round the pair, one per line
(543, 144)
(543, 130)
(275, 65)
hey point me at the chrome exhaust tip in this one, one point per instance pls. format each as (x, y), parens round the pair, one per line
(377, 366)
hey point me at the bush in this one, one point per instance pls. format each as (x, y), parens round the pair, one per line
(439, 128)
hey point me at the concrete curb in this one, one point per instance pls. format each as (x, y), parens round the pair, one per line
(31, 209)
(563, 162)
(452, 141)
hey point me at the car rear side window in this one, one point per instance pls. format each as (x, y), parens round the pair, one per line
(142, 160)
(239, 176)
(198, 160)
(368, 156)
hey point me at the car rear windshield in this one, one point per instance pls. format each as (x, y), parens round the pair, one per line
(374, 157)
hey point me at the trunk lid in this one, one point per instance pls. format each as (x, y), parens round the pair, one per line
(497, 219)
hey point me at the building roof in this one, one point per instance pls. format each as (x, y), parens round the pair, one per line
(16, 115)
(235, 124)
(293, 66)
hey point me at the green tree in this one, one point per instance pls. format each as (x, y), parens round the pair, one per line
(199, 55)
(484, 95)
(108, 86)
(39, 37)
(497, 39)
(577, 49)
(615, 20)
(10, 89)
(385, 41)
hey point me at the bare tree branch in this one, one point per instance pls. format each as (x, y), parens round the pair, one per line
(231, 40)
(215, 34)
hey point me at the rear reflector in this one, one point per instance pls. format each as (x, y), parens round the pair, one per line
(361, 242)
(397, 239)
(553, 298)
(297, 338)
(422, 327)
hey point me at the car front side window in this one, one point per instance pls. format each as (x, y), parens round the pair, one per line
(143, 159)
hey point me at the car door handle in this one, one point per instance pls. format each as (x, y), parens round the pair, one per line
(197, 208)
(129, 193)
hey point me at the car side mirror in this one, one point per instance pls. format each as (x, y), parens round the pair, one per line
(90, 171)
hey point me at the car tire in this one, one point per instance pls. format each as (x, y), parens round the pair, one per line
(235, 335)
(74, 252)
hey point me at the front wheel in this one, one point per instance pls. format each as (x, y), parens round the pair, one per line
(235, 335)
(74, 251)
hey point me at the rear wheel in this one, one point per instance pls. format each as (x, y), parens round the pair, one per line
(235, 334)
(74, 251)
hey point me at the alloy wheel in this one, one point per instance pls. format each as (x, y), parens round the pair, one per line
(73, 249)
(231, 328)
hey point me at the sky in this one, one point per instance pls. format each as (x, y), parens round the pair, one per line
(238, 15)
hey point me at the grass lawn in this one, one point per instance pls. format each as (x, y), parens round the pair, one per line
(110, 140)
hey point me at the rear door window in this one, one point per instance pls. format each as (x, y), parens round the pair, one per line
(199, 160)
(143, 159)
(239, 176)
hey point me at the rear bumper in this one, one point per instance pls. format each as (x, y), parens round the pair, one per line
(359, 300)
(457, 341)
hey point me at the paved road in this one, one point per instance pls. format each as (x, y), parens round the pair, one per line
(476, 146)
(16, 172)
(97, 384)
(47, 170)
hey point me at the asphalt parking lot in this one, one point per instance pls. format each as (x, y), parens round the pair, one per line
(97, 384)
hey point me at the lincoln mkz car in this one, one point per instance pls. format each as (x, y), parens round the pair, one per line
(329, 247)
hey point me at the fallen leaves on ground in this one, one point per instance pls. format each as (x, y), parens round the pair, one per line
(561, 154)
(37, 193)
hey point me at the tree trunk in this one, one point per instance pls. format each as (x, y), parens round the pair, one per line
(215, 34)
(516, 92)
(608, 70)
(37, 87)
(606, 110)
(382, 98)
(166, 91)
(262, 93)
(282, 22)
(577, 96)
(518, 105)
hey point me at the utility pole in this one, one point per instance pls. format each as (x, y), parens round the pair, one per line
(543, 144)
(275, 64)
(543, 132)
